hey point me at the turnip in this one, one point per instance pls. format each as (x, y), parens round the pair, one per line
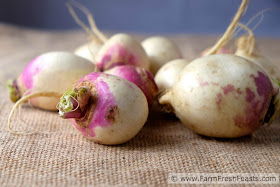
(246, 48)
(139, 76)
(160, 50)
(46, 78)
(121, 49)
(168, 73)
(105, 108)
(222, 96)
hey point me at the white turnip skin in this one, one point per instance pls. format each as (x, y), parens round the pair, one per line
(110, 109)
(222, 96)
(89, 50)
(167, 75)
(50, 72)
(121, 49)
(139, 76)
(160, 50)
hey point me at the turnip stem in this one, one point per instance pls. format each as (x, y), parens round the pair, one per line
(227, 35)
(73, 103)
(14, 90)
(24, 99)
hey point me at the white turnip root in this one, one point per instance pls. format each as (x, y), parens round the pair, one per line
(168, 73)
(139, 76)
(222, 96)
(121, 49)
(160, 50)
(105, 108)
(49, 72)
(246, 48)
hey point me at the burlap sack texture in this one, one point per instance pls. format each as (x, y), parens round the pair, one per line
(59, 156)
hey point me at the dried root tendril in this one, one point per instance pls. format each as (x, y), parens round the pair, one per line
(231, 28)
(247, 44)
(24, 99)
(94, 31)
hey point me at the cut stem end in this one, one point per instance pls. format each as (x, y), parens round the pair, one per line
(73, 103)
(13, 88)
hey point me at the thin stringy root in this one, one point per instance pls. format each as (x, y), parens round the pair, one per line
(24, 99)
(94, 32)
(231, 28)
(246, 43)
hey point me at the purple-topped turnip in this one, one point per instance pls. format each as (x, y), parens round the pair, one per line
(222, 96)
(105, 108)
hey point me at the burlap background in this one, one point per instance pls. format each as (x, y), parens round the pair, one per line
(59, 156)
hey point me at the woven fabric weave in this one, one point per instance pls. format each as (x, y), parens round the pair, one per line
(59, 156)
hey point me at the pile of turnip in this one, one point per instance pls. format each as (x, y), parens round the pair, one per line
(120, 102)
(107, 87)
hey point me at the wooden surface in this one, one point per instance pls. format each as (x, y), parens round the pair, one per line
(59, 156)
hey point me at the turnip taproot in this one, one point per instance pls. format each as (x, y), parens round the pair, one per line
(97, 38)
(139, 76)
(168, 73)
(230, 30)
(121, 49)
(160, 50)
(105, 108)
(221, 96)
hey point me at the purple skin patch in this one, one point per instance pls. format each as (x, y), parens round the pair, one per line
(250, 95)
(219, 100)
(116, 55)
(263, 84)
(228, 88)
(105, 109)
(203, 83)
(139, 76)
(256, 108)
(30, 71)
